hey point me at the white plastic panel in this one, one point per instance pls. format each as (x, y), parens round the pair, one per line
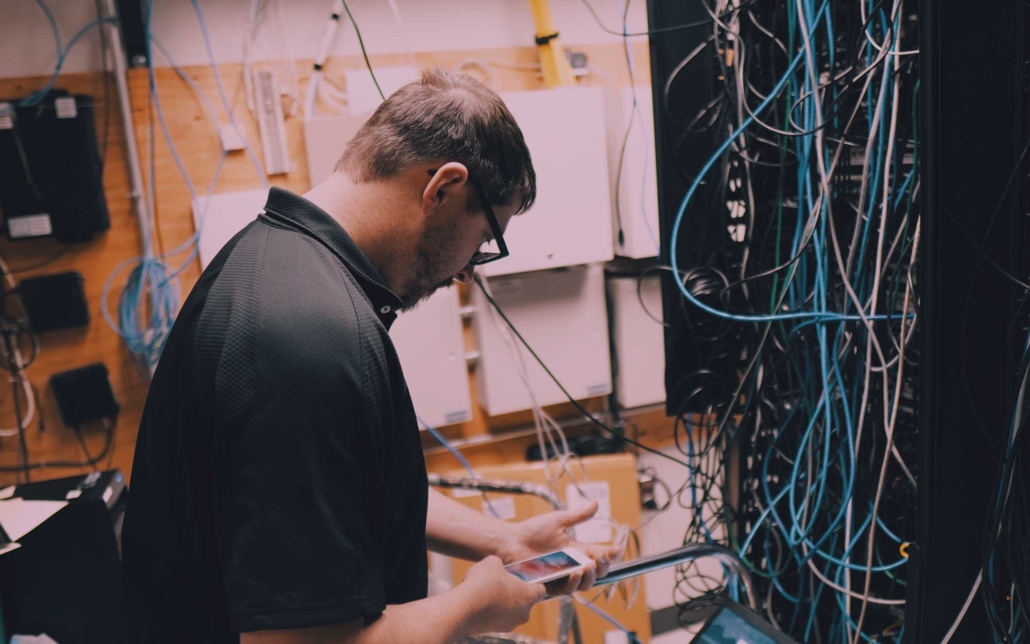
(638, 187)
(431, 346)
(363, 97)
(639, 341)
(562, 315)
(221, 216)
(569, 224)
(325, 138)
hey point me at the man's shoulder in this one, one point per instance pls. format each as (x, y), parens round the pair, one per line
(291, 301)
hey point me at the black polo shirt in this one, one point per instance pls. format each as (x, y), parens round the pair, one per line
(278, 480)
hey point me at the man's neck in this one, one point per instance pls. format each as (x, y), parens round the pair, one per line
(365, 211)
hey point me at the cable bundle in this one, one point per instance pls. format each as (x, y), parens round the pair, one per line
(808, 269)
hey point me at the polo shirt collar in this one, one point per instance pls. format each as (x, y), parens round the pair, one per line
(296, 212)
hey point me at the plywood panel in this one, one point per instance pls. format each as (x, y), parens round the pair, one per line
(197, 143)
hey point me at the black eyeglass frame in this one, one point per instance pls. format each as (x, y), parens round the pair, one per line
(480, 258)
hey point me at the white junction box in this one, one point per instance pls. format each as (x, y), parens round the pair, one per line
(634, 190)
(219, 217)
(570, 222)
(562, 315)
(431, 346)
(363, 97)
(639, 340)
(325, 138)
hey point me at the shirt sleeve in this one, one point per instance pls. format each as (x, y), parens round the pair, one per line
(298, 474)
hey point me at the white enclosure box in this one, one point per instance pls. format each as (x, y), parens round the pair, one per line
(363, 95)
(431, 346)
(639, 341)
(634, 187)
(569, 224)
(325, 138)
(562, 315)
(219, 217)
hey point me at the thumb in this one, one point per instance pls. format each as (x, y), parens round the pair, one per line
(570, 518)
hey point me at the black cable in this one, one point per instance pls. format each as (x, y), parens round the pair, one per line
(978, 247)
(364, 53)
(108, 447)
(576, 404)
(629, 130)
(85, 450)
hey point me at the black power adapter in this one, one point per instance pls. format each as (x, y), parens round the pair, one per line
(84, 395)
(54, 302)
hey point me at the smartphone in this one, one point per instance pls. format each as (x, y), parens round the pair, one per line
(549, 567)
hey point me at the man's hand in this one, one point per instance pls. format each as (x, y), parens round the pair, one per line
(547, 533)
(503, 600)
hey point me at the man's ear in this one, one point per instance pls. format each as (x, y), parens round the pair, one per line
(446, 183)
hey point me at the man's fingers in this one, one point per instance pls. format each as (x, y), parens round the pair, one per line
(589, 579)
(570, 518)
(565, 586)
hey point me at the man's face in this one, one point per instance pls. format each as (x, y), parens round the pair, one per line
(448, 243)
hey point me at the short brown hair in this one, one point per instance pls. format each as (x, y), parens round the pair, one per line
(442, 118)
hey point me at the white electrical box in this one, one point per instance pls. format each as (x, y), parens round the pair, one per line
(634, 186)
(325, 138)
(639, 341)
(431, 347)
(219, 217)
(570, 222)
(563, 316)
(363, 95)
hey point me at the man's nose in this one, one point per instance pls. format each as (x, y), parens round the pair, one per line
(466, 274)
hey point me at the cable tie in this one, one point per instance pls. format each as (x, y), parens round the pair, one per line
(543, 40)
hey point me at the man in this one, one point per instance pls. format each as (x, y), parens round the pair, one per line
(279, 491)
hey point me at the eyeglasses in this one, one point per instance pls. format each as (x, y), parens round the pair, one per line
(486, 256)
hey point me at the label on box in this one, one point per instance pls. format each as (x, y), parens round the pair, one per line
(600, 389)
(66, 108)
(501, 287)
(29, 226)
(503, 507)
(461, 416)
(616, 637)
(598, 529)
(6, 116)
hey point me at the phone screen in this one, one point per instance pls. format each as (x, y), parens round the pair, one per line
(543, 567)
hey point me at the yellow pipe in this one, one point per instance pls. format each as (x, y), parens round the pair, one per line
(555, 66)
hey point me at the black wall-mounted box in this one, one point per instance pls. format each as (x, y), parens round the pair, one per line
(55, 302)
(51, 174)
(84, 395)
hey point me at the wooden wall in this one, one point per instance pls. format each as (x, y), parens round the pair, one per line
(197, 142)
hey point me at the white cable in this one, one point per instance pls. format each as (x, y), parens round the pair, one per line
(965, 608)
(291, 85)
(400, 28)
(325, 45)
(18, 370)
(547, 429)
